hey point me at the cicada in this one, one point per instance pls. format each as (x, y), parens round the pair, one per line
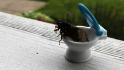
(68, 30)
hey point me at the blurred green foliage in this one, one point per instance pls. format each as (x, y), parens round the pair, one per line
(109, 13)
(38, 16)
(40, 0)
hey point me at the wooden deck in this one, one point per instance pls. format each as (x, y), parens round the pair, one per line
(27, 44)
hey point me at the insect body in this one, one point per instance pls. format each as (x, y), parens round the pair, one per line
(68, 30)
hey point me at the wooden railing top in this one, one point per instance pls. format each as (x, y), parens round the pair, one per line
(31, 44)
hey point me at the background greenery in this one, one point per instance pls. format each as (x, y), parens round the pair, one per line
(109, 13)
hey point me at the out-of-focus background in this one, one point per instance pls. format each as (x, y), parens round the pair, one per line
(109, 13)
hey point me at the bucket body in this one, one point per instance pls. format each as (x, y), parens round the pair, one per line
(80, 51)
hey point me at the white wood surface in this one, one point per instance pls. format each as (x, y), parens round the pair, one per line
(27, 44)
(20, 50)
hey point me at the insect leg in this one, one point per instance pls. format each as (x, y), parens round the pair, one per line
(61, 33)
(56, 29)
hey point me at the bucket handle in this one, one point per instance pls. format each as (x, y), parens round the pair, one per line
(91, 20)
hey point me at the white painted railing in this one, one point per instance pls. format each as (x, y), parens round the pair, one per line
(109, 48)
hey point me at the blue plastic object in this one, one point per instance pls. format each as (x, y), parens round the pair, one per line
(91, 20)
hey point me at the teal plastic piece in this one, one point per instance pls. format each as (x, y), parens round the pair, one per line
(91, 20)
